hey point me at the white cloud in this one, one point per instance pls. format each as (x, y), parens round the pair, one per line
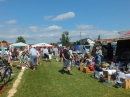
(52, 34)
(2, 25)
(11, 22)
(2, 0)
(13, 31)
(48, 17)
(64, 16)
(84, 26)
(53, 27)
(93, 34)
(111, 35)
(33, 28)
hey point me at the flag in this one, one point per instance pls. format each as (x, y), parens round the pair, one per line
(2, 49)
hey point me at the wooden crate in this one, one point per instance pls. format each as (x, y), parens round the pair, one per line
(110, 78)
(126, 83)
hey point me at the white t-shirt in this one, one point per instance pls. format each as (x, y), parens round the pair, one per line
(33, 52)
(38, 54)
(71, 54)
(99, 52)
(45, 51)
(20, 53)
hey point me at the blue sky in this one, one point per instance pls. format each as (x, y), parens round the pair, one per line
(45, 20)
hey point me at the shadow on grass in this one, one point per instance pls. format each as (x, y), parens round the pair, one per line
(3, 87)
(64, 72)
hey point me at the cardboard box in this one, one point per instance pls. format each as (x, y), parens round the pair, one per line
(88, 70)
(81, 66)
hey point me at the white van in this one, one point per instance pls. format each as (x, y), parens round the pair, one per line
(84, 48)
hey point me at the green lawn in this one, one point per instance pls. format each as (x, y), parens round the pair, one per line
(46, 81)
(10, 83)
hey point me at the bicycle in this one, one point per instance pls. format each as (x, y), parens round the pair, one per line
(5, 72)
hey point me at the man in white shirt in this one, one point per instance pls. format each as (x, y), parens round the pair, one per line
(46, 54)
(33, 57)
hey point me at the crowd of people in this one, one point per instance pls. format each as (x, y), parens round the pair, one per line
(31, 56)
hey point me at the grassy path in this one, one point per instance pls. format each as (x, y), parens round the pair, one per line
(46, 81)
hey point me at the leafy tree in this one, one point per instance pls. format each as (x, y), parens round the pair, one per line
(74, 43)
(4, 41)
(98, 37)
(65, 40)
(20, 39)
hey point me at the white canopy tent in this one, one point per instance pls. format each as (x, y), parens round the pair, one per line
(18, 45)
(42, 45)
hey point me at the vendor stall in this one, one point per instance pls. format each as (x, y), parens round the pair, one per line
(19, 45)
(42, 45)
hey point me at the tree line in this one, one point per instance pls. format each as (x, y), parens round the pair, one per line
(65, 40)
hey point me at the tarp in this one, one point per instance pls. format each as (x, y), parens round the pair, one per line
(42, 45)
(19, 45)
(124, 34)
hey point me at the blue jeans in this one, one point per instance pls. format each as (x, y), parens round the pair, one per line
(34, 60)
(98, 62)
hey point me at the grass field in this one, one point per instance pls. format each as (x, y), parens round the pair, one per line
(5, 90)
(46, 81)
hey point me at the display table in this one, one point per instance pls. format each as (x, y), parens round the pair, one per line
(110, 72)
(127, 75)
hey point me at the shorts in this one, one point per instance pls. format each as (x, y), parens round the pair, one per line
(66, 63)
(46, 56)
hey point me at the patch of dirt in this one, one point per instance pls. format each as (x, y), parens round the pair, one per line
(15, 84)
